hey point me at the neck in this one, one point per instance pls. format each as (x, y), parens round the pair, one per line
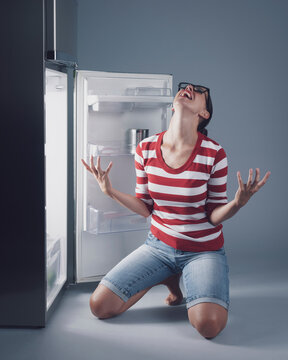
(182, 130)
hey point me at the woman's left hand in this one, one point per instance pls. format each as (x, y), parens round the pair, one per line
(245, 191)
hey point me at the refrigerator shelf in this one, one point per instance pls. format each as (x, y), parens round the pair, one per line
(109, 149)
(113, 103)
(105, 222)
(94, 99)
(149, 91)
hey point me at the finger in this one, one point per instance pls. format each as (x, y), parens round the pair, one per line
(94, 170)
(86, 165)
(250, 177)
(240, 182)
(257, 178)
(263, 181)
(108, 168)
(98, 166)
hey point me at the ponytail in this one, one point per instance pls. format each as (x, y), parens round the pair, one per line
(203, 131)
(202, 126)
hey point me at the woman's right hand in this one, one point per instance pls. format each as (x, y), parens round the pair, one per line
(100, 175)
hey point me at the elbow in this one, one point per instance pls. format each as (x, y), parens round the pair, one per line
(145, 209)
(212, 222)
(147, 214)
(215, 223)
(215, 216)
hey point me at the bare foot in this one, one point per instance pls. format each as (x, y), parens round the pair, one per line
(175, 297)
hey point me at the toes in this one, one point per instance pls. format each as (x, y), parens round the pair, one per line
(174, 300)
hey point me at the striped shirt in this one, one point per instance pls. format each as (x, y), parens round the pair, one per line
(181, 200)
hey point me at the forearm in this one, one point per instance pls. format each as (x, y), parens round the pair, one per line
(224, 212)
(129, 201)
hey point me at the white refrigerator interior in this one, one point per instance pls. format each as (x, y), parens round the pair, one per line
(56, 181)
(108, 106)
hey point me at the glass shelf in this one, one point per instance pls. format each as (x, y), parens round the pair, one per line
(95, 99)
(149, 91)
(134, 98)
(109, 149)
(104, 222)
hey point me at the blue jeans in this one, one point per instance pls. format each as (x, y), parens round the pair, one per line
(205, 274)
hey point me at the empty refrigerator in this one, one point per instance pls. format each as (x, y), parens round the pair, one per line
(109, 107)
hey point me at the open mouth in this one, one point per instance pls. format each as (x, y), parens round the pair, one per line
(186, 94)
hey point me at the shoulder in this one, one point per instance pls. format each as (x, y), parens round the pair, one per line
(212, 148)
(209, 143)
(149, 142)
(147, 146)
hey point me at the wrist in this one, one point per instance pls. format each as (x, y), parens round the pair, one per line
(109, 193)
(237, 204)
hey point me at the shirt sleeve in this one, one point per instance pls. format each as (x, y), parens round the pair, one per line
(141, 189)
(217, 183)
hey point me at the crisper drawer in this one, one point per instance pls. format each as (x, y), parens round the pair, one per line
(102, 222)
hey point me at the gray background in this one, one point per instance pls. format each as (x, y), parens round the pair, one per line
(238, 49)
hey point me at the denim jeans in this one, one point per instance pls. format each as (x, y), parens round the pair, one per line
(205, 274)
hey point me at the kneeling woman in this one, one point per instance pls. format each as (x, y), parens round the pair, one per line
(181, 181)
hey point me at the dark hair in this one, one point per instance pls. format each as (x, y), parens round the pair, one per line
(205, 122)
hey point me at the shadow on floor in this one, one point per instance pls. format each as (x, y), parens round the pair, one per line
(254, 319)
(151, 315)
(252, 322)
(257, 321)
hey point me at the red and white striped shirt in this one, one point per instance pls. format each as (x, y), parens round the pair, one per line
(181, 200)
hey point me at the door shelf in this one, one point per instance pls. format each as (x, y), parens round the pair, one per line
(53, 262)
(105, 222)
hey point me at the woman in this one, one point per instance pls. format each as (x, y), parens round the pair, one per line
(181, 181)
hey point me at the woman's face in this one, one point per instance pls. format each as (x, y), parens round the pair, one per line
(192, 101)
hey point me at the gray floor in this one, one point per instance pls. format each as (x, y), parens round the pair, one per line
(256, 329)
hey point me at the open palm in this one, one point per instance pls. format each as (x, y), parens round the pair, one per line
(100, 175)
(245, 191)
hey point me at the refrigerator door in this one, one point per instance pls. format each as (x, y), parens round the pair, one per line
(114, 111)
(55, 182)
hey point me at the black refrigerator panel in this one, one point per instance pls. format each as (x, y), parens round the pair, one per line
(61, 31)
(22, 245)
(33, 246)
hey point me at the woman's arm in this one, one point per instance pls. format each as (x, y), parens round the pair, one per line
(130, 201)
(127, 200)
(223, 212)
(243, 194)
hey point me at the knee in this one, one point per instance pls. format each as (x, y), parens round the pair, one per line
(99, 309)
(209, 327)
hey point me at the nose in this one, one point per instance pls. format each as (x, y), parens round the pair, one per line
(189, 88)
